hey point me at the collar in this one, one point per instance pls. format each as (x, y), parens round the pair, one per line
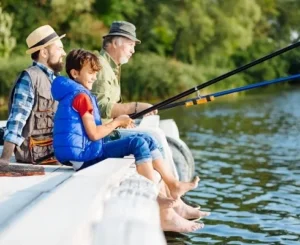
(116, 68)
(109, 59)
(50, 73)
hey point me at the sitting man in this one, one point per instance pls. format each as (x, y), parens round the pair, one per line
(118, 47)
(31, 107)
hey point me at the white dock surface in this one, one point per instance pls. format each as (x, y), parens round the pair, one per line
(107, 203)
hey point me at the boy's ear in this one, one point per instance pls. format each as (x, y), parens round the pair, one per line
(74, 73)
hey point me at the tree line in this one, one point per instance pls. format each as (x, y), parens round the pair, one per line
(184, 42)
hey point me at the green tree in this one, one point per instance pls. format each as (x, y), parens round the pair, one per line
(7, 41)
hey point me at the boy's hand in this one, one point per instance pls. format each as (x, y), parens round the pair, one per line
(124, 121)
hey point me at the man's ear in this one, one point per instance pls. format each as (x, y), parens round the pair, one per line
(44, 52)
(114, 43)
(74, 73)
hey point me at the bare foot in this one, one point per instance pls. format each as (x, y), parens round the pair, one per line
(165, 202)
(191, 204)
(179, 188)
(189, 212)
(171, 221)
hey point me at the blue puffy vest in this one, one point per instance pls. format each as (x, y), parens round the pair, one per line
(70, 140)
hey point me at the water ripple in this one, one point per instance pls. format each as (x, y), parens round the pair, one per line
(247, 154)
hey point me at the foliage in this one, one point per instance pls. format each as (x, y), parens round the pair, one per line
(192, 40)
(150, 76)
(9, 70)
(7, 42)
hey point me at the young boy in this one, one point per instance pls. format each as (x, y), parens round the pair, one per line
(78, 131)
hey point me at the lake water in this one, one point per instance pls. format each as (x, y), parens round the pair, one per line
(247, 154)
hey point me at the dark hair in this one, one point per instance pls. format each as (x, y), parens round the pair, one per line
(35, 55)
(77, 58)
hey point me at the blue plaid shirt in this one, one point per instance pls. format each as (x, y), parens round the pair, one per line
(22, 104)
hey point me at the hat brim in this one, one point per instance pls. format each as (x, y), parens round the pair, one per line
(32, 50)
(123, 35)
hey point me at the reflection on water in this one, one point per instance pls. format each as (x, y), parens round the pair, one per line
(247, 153)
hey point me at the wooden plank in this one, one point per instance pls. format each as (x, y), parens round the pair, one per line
(56, 216)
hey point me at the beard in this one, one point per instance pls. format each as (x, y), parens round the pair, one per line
(123, 60)
(55, 66)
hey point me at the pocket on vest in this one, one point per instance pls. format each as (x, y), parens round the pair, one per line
(39, 151)
(41, 147)
(43, 120)
(44, 100)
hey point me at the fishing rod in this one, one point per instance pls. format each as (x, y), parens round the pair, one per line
(215, 80)
(211, 97)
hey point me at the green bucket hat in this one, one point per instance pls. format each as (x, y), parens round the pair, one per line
(124, 29)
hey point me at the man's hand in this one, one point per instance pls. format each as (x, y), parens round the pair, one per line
(143, 106)
(3, 162)
(8, 149)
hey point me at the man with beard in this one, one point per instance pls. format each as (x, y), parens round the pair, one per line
(31, 107)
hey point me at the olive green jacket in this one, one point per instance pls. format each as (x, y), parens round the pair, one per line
(107, 87)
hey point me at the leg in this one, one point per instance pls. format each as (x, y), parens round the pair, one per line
(172, 221)
(131, 145)
(160, 140)
(146, 169)
(164, 200)
(136, 145)
(189, 212)
(177, 188)
(162, 144)
(183, 209)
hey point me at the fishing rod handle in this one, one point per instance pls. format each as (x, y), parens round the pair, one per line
(199, 101)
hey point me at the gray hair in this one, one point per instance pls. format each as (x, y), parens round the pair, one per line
(111, 39)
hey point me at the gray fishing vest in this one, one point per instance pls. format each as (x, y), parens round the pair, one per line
(38, 129)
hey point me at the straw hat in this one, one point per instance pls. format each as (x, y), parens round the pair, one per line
(40, 38)
(124, 29)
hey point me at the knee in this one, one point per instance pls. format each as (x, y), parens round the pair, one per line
(151, 142)
(139, 142)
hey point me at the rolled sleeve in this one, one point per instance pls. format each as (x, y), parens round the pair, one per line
(22, 103)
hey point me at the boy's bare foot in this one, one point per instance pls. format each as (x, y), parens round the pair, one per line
(189, 212)
(165, 202)
(179, 188)
(171, 221)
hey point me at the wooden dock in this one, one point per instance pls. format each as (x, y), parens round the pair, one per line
(107, 204)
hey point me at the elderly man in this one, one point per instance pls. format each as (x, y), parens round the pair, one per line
(31, 107)
(118, 47)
